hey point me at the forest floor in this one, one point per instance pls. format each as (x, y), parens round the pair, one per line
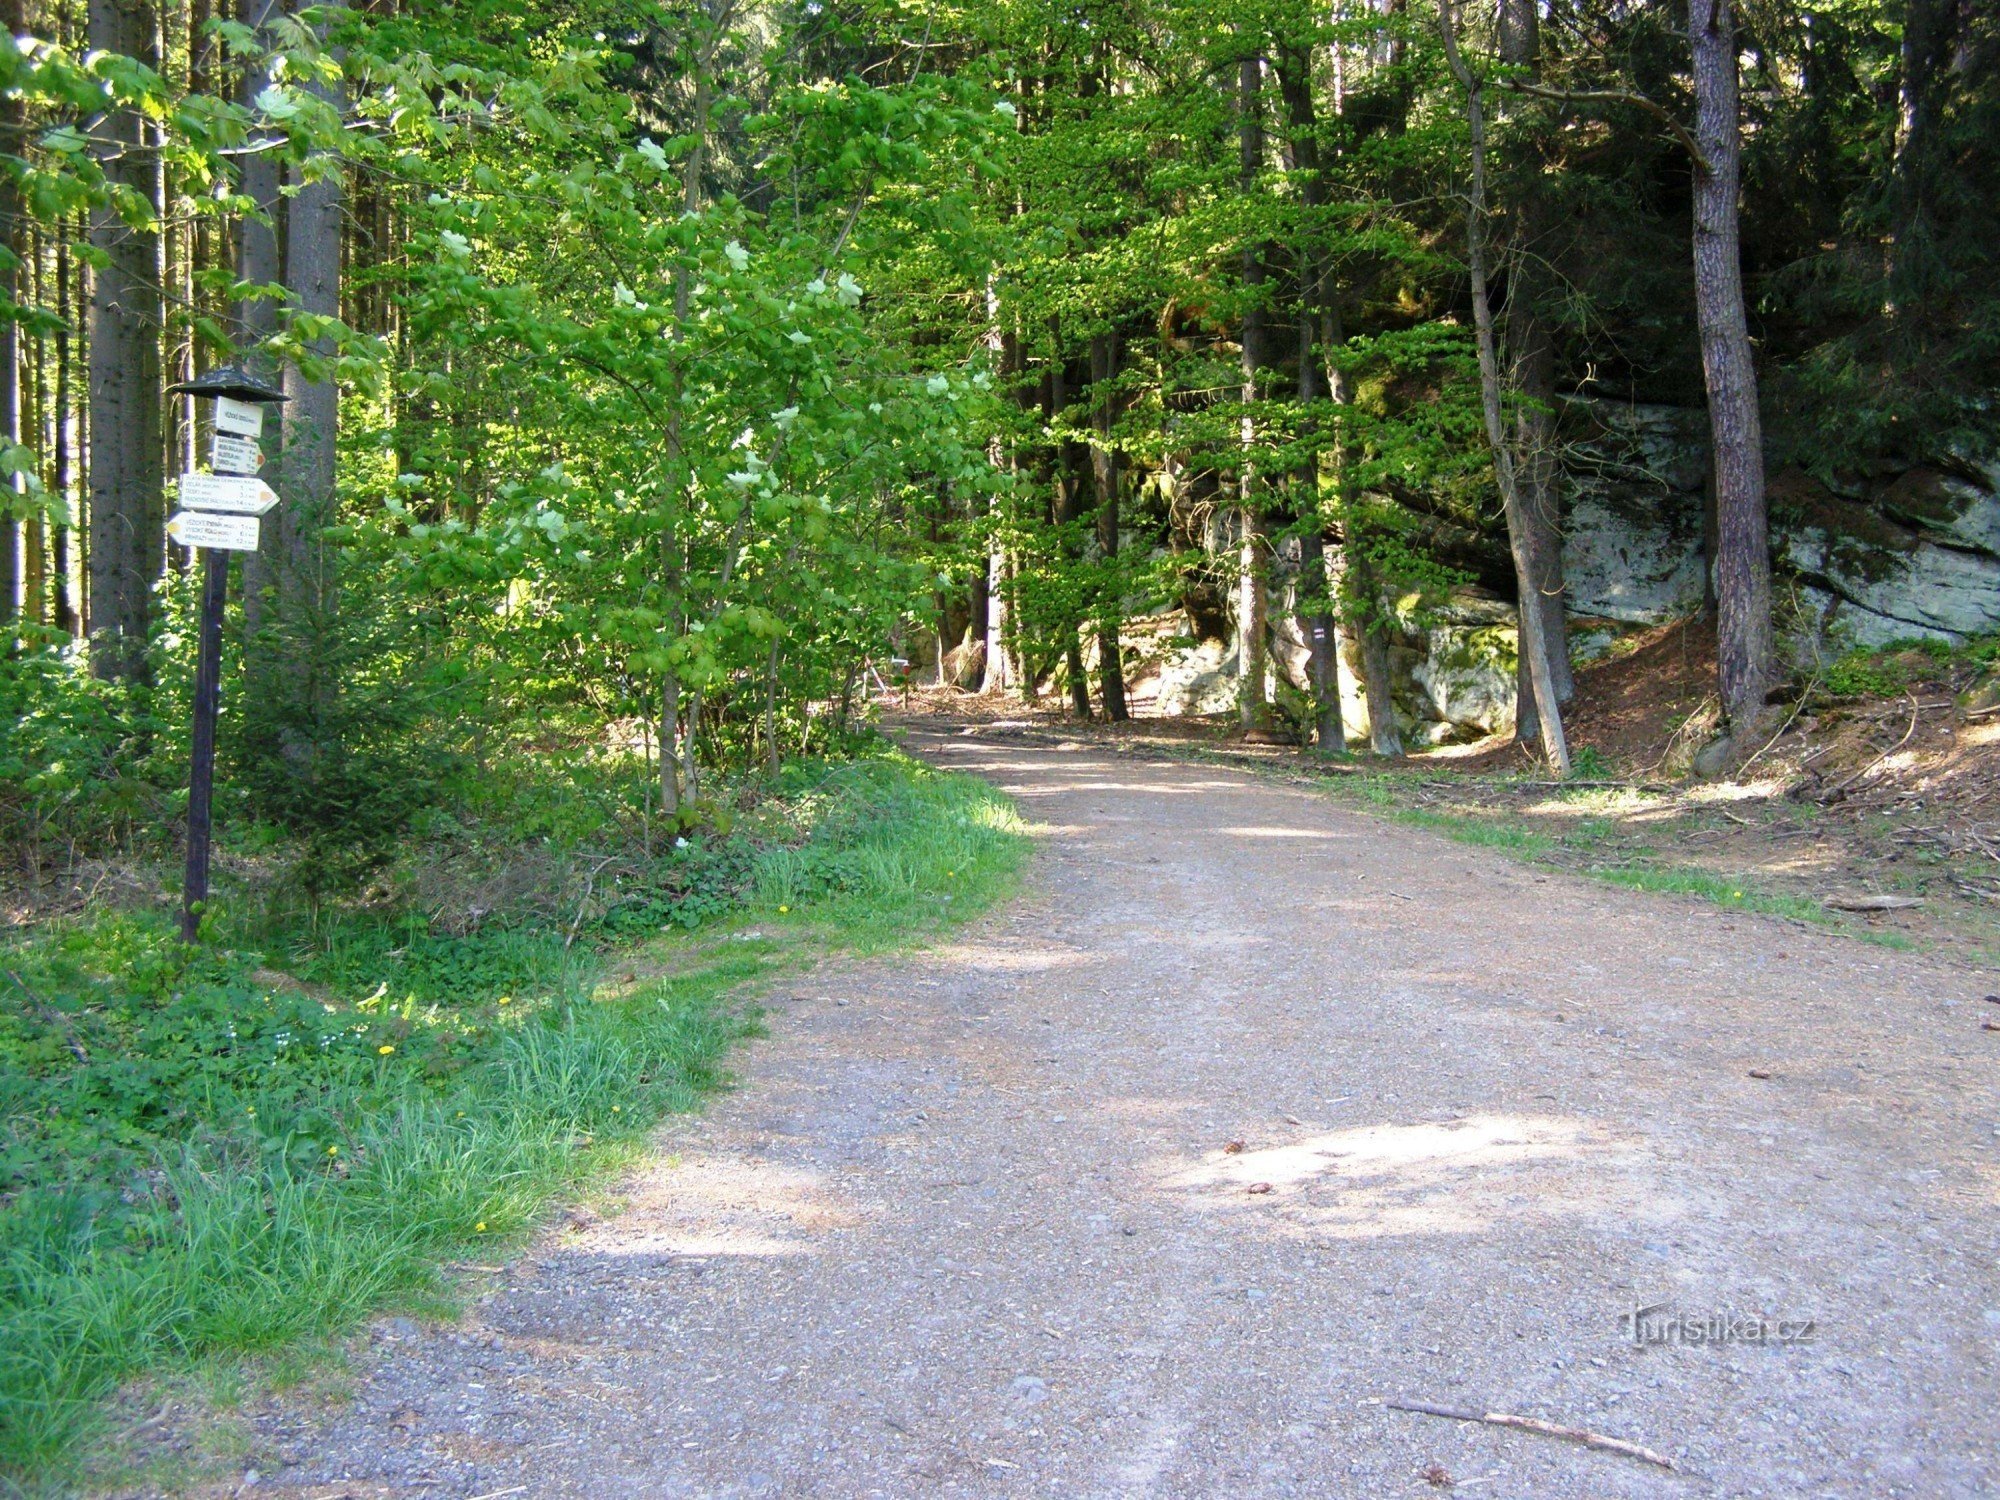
(1254, 1114)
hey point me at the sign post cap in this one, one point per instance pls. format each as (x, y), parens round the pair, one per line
(232, 381)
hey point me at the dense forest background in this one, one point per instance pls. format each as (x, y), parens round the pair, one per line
(661, 376)
(669, 384)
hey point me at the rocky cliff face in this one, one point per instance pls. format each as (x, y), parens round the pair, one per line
(1907, 552)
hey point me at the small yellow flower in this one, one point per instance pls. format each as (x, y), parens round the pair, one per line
(614, 1109)
(480, 1227)
(783, 909)
(251, 1113)
(505, 1000)
(333, 1150)
(951, 874)
(384, 1050)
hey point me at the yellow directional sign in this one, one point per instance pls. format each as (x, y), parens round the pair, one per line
(192, 528)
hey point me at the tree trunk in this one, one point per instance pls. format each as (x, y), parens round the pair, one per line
(305, 561)
(1317, 319)
(1931, 31)
(1104, 469)
(1250, 603)
(127, 540)
(1533, 641)
(1533, 360)
(1745, 653)
(260, 260)
(1383, 736)
(15, 535)
(1067, 478)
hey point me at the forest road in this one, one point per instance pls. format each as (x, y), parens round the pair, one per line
(977, 1221)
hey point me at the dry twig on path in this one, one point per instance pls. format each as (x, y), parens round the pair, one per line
(1534, 1424)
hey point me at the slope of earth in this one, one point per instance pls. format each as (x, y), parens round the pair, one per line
(1253, 1113)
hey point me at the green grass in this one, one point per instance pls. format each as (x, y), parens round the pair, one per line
(202, 1165)
(1722, 890)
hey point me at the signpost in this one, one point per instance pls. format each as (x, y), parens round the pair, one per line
(242, 494)
(195, 528)
(235, 455)
(221, 518)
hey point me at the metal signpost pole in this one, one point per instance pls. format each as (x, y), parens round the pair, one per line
(201, 772)
(222, 518)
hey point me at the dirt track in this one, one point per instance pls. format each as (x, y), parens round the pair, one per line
(971, 1224)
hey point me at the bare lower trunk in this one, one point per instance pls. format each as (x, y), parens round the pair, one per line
(1252, 685)
(999, 671)
(1318, 324)
(771, 711)
(260, 260)
(305, 559)
(1323, 641)
(1533, 641)
(1383, 736)
(1104, 471)
(670, 744)
(1744, 647)
(127, 471)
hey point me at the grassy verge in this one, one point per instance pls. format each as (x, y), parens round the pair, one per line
(250, 1148)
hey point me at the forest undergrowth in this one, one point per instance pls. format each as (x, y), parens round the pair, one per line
(243, 1148)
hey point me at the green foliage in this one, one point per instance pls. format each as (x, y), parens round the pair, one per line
(205, 1156)
(1884, 671)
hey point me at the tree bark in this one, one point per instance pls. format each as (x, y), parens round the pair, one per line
(1250, 602)
(1067, 476)
(1384, 738)
(1104, 470)
(16, 535)
(260, 260)
(1745, 652)
(1533, 642)
(1318, 320)
(306, 586)
(127, 471)
(1532, 352)
(1931, 30)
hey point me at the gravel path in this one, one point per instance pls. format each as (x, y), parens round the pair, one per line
(977, 1221)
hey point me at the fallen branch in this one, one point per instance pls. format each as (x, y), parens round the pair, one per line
(1581, 1435)
(1614, 786)
(1870, 903)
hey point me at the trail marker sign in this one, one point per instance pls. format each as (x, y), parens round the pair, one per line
(193, 528)
(239, 418)
(235, 455)
(244, 494)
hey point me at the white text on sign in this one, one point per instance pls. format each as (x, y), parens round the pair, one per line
(191, 528)
(243, 494)
(235, 455)
(242, 418)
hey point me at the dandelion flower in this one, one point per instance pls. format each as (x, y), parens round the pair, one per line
(783, 909)
(384, 1050)
(505, 1000)
(333, 1150)
(480, 1227)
